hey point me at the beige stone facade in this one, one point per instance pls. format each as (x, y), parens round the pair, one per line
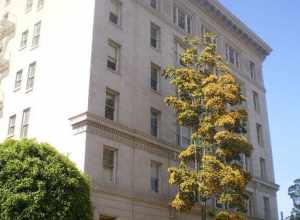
(95, 56)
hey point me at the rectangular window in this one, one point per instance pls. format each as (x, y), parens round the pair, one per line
(183, 136)
(182, 19)
(31, 75)
(232, 56)
(259, 134)
(115, 12)
(250, 208)
(155, 36)
(11, 126)
(155, 77)
(25, 123)
(155, 116)
(24, 39)
(29, 5)
(256, 101)
(155, 176)
(40, 4)
(36, 34)
(154, 4)
(113, 56)
(18, 80)
(109, 164)
(267, 209)
(252, 70)
(248, 164)
(262, 164)
(111, 105)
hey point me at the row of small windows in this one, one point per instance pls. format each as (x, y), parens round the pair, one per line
(183, 20)
(24, 124)
(35, 36)
(110, 167)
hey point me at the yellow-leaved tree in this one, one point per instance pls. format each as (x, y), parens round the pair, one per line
(209, 102)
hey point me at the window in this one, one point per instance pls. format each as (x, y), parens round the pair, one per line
(155, 176)
(154, 4)
(40, 4)
(29, 5)
(11, 126)
(262, 164)
(256, 101)
(259, 133)
(250, 208)
(205, 30)
(30, 77)
(24, 39)
(109, 164)
(25, 123)
(183, 136)
(155, 77)
(252, 70)
(111, 105)
(232, 56)
(7, 2)
(105, 217)
(155, 36)
(179, 51)
(18, 80)
(115, 12)
(113, 56)
(182, 19)
(267, 209)
(155, 122)
(36, 34)
(248, 164)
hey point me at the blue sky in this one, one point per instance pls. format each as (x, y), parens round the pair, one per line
(278, 23)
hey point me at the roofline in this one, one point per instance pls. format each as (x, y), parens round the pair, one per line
(215, 7)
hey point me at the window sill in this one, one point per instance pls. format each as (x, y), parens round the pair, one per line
(27, 10)
(22, 48)
(119, 26)
(17, 89)
(10, 136)
(34, 47)
(28, 90)
(113, 71)
(157, 49)
(157, 92)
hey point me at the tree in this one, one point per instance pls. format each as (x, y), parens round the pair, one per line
(36, 182)
(208, 101)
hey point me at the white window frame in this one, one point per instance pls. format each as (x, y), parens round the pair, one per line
(24, 39)
(267, 208)
(36, 34)
(155, 69)
(155, 36)
(115, 14)
(18, 80)
(114, 165)
(113, 58)
(31, 76)
(256, 101)
(29, 5)
(115, 97)
(260, 134)
(25, 123)
(180, 136)
(232, 56)
(187, 19)
(11, 125)
(40, 4)
(155, 113)
(158, 167)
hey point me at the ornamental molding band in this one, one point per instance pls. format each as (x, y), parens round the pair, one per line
(220, 14)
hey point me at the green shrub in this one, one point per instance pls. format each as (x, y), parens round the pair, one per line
(37, 182)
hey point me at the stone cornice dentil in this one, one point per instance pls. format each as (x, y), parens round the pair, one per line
(223, 16)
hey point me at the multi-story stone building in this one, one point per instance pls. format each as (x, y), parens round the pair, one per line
(85, 77)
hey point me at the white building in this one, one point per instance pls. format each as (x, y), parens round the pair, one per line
(85, 77)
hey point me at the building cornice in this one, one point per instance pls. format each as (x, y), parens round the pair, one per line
(233, 24)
